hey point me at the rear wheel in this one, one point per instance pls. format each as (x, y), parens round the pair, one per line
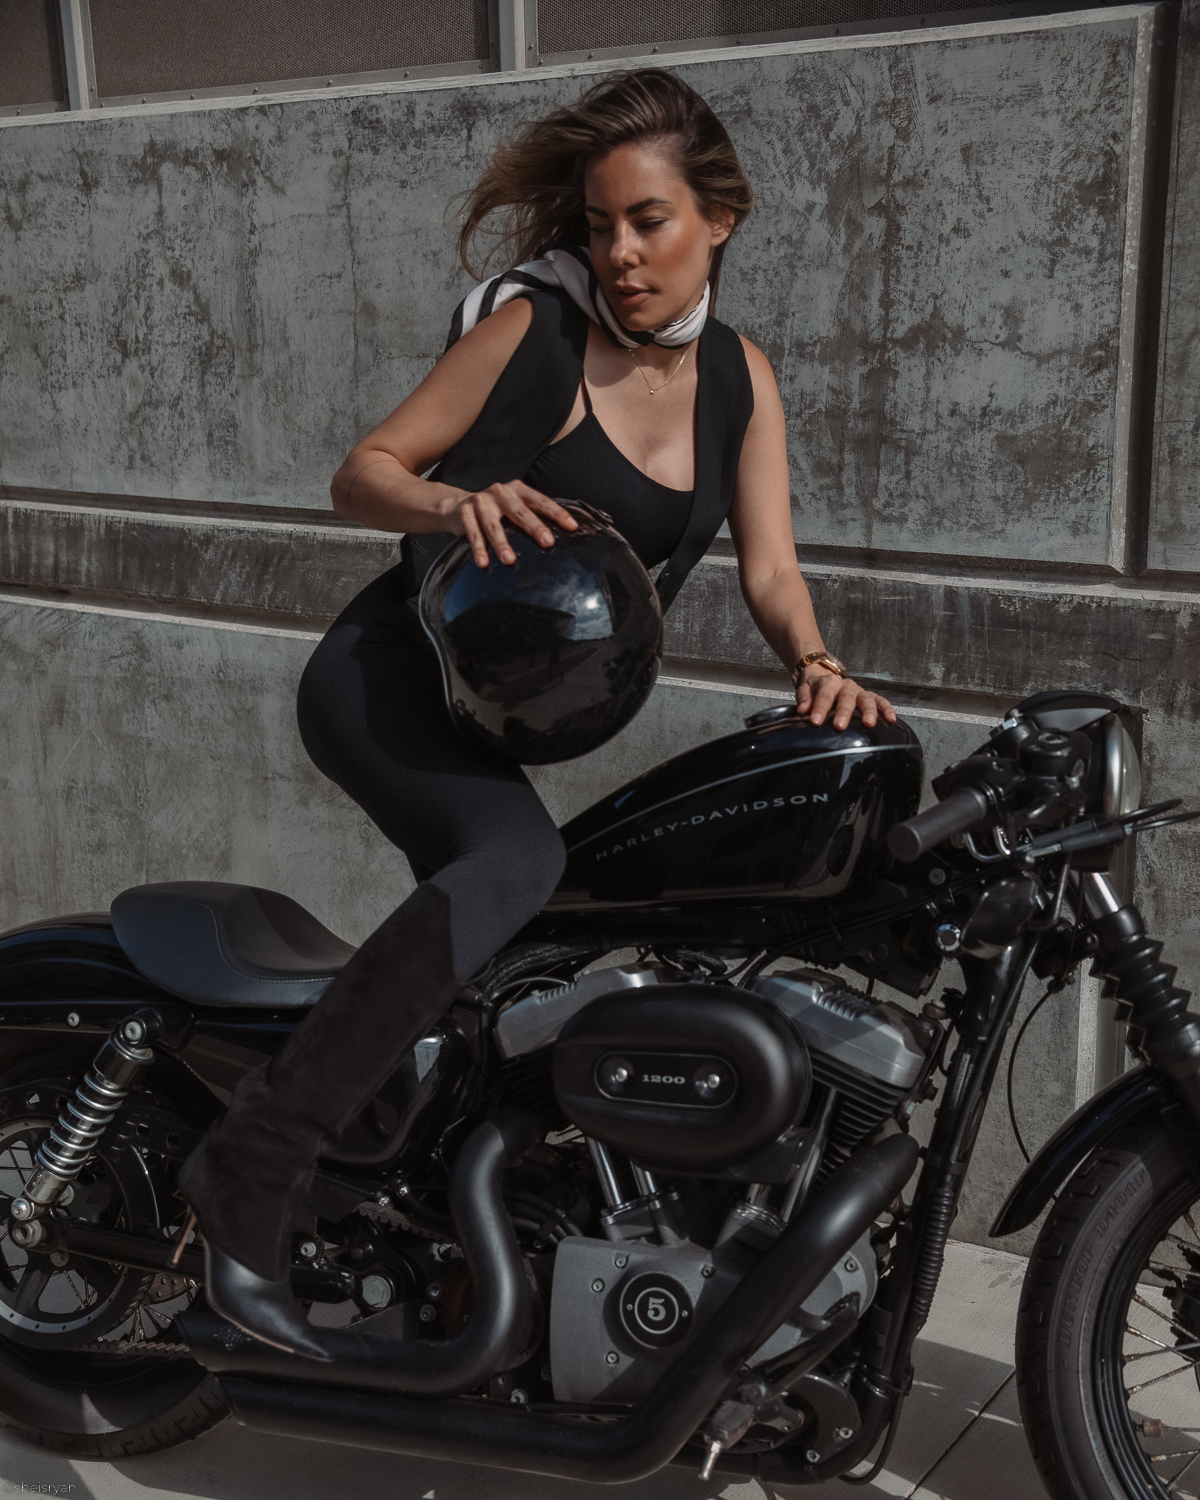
(89, 1363)
(1108, 1336)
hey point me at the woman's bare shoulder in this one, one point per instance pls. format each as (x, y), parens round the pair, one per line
(762, 380)
(463, 378)
(494, 339)
(757, 362)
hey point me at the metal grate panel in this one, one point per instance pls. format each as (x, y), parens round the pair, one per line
(144, 47)
(571, 26)
(30, 57)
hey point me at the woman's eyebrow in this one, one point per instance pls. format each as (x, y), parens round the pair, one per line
(634, 208)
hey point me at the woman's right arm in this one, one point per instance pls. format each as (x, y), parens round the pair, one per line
(380, 482)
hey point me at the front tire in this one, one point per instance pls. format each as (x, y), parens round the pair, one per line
(1108, 1332)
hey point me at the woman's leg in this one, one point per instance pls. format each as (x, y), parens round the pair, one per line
(373, 718)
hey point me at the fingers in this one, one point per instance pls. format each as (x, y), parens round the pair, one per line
(491, 518)
(482, 517)
(474, 534)
(872, 706)
(828, 696)
(825, 690)
(550, 508)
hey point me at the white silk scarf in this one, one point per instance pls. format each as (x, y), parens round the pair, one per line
(569, 269)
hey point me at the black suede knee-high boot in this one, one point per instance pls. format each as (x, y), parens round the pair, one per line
(259, 1158)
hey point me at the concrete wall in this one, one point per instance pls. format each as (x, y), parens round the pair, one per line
(202, 306)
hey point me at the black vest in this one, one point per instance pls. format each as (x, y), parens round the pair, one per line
(530, 403)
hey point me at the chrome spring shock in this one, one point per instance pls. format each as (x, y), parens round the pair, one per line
(86, 1115)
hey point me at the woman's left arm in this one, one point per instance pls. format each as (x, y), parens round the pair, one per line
(760, 521)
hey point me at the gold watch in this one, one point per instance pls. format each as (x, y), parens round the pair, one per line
(831, 662)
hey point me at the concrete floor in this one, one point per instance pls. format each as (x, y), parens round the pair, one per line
(960, 1438)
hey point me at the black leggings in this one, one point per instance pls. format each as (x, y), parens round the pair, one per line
(373, 718)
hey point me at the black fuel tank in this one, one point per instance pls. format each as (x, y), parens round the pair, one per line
(783, 809)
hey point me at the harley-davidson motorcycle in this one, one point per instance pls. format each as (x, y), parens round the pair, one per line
(648, 1193)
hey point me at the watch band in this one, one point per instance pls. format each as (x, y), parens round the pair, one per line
(824, 658)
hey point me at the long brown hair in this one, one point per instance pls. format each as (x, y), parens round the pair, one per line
(532, 190)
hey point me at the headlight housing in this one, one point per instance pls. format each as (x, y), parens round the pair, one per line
(1122, 768)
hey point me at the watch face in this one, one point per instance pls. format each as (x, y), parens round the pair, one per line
(834, 662)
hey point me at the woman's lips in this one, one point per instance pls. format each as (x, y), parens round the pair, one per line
(630, 297)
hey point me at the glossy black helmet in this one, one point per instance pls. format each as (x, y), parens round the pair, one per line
(550, 656)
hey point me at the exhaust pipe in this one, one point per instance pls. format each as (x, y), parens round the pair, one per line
(496, 1331)
(615, 1452)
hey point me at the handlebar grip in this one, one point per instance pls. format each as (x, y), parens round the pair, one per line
(961, 811)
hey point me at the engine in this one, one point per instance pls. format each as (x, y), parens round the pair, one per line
(710, 1112)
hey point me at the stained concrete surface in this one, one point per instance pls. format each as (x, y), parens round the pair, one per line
(214, 303)
(1175, 516)
(960, 1438)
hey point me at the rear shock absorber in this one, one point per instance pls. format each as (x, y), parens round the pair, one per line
(85, 1117)
(1161, 1029)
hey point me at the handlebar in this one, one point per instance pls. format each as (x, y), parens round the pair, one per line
(963, 810)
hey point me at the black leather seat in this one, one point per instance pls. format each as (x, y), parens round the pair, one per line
(222, 944)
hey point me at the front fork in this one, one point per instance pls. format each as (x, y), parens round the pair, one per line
(81, 1124)
(1161, 1030)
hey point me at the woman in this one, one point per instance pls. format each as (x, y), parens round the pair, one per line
(597, 374)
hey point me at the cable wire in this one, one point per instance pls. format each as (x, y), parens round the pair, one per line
(1012, 1059)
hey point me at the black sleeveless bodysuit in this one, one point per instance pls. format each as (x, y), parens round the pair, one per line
(587, 465)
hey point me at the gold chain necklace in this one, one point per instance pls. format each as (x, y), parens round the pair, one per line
(654, 389)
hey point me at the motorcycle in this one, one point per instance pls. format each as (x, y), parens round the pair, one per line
(648, 1192)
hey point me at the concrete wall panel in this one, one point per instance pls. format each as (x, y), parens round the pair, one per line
(1174, 542)
(212, 304)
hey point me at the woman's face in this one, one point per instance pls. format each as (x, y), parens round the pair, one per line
(651, 246)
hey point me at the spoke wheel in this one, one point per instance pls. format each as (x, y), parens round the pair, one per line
(54, 1300)
(1148, 1343)
(88, 1358)
(1108, 1337)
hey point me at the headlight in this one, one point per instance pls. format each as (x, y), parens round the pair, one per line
(1122, 769)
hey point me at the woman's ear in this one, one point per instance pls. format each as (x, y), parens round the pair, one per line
(720, 223)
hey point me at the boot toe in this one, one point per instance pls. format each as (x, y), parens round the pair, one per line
(264, 1309)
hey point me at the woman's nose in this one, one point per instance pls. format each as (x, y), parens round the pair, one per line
(624, 249)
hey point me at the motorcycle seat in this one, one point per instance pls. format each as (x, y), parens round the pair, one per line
(219, 944)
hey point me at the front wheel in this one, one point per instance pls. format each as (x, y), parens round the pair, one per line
(1108, 1333)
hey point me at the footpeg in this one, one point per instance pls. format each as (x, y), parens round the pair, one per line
(727, 1425)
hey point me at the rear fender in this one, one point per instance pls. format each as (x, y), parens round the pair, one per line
(70, 976)
(1134, 1093)
(81, 951)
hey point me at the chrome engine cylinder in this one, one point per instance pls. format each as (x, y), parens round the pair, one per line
(88, 1113)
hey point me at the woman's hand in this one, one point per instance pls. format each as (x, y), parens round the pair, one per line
(820, 693)
(480, 518)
